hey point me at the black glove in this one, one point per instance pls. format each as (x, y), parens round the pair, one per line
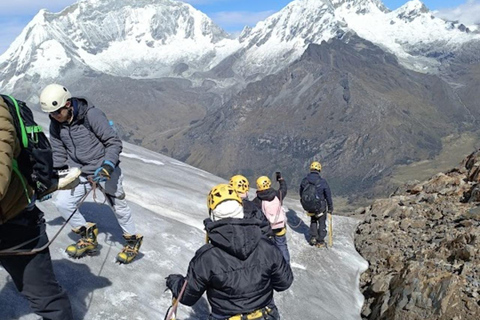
(103, 173)
(278, 175)
(175, 283)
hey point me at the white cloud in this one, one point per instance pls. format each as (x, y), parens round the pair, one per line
(239, 18)
(467, 13)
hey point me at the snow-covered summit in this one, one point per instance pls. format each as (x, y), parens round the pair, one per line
(360, 6)
(164, 38)
(138, 39)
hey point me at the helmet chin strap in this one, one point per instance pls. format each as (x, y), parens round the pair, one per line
(70, 115)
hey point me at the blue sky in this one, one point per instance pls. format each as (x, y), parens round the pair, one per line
(231, 15)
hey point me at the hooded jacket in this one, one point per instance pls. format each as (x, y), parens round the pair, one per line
(77, 145)
(13, 195)
(239, 269)
(270, 194)
(323, 189)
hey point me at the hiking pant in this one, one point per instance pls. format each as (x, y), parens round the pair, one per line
(281, 243)
(318, 228)
(273, 315)
(67, 200)
(33, 274)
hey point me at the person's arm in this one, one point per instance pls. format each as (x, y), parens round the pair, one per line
(196, 281)
(8, 139)
(283, 188)
(59, 152)
(106, 134)
(328, 197)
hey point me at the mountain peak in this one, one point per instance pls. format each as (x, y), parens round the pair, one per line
(413, 7)
(360, 6)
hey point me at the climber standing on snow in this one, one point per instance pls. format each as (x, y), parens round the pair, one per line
(81, 136)
(239, 268)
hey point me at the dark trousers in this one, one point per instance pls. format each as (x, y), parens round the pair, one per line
(33, 274)
(318, 228)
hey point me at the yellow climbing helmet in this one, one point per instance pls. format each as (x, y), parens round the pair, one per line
(263, 183)
(239, 183)
(316, 166)
(221, 193)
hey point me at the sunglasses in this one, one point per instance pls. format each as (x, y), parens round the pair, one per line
(57, 112)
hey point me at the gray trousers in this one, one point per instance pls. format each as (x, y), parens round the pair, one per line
(67, 200)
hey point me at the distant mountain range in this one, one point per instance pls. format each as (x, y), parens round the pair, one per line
(348, 82)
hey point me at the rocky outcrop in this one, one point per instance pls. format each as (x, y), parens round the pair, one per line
(423, 248)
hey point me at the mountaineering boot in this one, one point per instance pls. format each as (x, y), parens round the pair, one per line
(131, 248)
(320, 244)
(312, 241)
(87, 243)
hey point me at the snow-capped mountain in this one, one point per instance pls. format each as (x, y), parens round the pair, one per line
(137, 39)
(411, 32)
(151, 39)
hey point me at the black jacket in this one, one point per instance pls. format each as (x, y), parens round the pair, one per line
(251, 211)
(323, 189)
(239, 269)
(270, 193)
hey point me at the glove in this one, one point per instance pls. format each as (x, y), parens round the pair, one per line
(103, 173)
(175, 283)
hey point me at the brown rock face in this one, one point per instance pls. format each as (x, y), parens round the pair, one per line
(423, 247)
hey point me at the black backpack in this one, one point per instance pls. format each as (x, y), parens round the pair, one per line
(34, 165)
(311, 200)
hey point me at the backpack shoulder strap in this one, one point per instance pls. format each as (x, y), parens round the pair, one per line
(17, 114)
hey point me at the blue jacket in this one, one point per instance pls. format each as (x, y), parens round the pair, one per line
(323, 189)
(84, 146)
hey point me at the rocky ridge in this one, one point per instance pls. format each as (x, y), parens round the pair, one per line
(423, 248)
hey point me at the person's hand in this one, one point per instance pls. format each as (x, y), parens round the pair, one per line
(278, 175)
(103, 173)
(175, 283)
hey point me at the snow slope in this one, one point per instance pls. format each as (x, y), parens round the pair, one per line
(168, 200)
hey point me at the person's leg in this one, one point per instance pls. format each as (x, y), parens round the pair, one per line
(116, 196)
(281, 242)
(114, 188)
(313, 230)
(33, 274)
(67, 201)
(322, 230)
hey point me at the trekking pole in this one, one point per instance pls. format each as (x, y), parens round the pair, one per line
(330, 230)
(172, 310)
(13, 250)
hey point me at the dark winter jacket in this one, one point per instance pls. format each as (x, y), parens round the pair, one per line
(323, 189)
(86, 146)
(239, 269)
(270, 194)
(251, 211)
